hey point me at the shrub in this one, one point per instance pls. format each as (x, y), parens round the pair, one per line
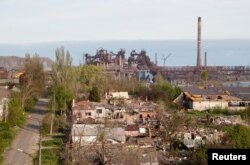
(238, 136)
(94, 95)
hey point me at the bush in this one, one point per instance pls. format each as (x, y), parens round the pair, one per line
(197, 157)
(59, 126)
(16, 114)
(238, 136)
(94, 95)
(157, 92)
(245, 114)
(7, 134)
(51, 156)
(30, 103)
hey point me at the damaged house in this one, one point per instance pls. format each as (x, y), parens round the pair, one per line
(209, 98)
(86, 134)
(86, 110)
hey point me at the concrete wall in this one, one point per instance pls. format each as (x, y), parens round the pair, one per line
(84, 139)
(119, 95)
(208, 104)
(132, 133)
(5, 81)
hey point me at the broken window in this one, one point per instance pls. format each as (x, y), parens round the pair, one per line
(219, 97)
(99, 111)
(88, 113)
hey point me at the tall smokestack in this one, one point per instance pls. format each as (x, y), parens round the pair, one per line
(199, 44)
(155, 58)
(205, 59)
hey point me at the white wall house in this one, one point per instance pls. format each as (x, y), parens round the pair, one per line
(102, 112)
(86, 134)
(122, 95)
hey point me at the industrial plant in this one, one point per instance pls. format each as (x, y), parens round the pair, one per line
(182, 75)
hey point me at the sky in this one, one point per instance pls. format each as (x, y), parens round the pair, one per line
(25, 21)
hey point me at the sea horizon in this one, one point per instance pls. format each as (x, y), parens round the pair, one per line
(221, 52)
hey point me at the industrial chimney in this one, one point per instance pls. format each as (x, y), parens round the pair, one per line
(199, 44)
(205, 59)
(155, 58)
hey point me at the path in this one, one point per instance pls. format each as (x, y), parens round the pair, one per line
(25, 145)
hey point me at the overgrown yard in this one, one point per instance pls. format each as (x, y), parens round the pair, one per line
(53, 143)
(245, 114)
(7, 134)
(52, 148)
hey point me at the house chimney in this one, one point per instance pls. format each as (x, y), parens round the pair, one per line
(199, 64)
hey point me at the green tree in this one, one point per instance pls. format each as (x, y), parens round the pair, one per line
(94, 95)
(93, 76)
(64, 74)
(204, 76)
(62, 68)
(63, 98)
(33, 81)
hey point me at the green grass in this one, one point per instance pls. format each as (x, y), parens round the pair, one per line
(1, 159)
(7, 134)
(50, 156)
(245, 114)
(197, 113)
(53, 143)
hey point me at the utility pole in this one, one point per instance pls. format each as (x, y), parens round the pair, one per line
(4, 112)
(40, 149)
(52, 114)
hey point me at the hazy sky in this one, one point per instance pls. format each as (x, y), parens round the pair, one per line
(60, 20)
